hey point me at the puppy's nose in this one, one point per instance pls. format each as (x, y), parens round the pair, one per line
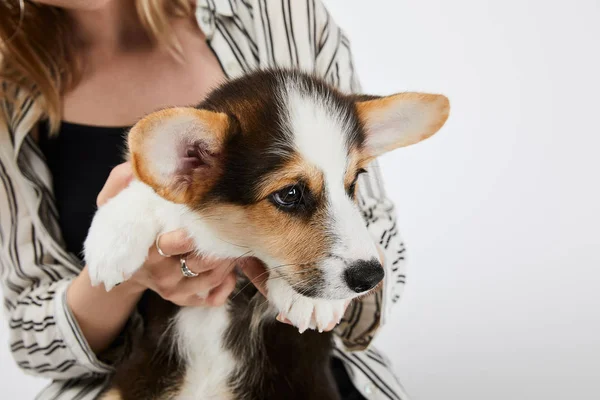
(363, 275)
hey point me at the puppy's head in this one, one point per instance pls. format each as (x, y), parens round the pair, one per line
(271, 161)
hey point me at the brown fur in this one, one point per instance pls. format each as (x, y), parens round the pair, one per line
(437, 105)
(261, 226)
(212, 127)
(294, 170)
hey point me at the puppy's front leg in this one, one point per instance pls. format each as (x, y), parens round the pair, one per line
(304, 312)
(121, 233)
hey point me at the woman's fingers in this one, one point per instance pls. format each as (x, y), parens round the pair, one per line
(255, 270)
(202, 264)
(172, 244)
(119, 179)
(218, 296)
(203, 283)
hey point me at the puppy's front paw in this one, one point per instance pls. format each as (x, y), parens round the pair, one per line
(305, 312)
(119, 238)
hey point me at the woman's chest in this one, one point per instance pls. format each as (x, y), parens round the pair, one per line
(122, 90)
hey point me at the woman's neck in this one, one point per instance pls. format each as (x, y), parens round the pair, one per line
(113, 28)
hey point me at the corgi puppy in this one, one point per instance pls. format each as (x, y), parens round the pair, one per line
(265, 166)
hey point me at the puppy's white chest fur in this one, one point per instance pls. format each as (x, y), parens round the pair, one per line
(200, 333)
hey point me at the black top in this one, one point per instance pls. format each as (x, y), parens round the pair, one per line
(80, 159)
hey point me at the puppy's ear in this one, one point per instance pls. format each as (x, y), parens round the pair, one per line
(400, 120)
(178, 151)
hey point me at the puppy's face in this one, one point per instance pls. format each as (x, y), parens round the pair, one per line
(271, 162)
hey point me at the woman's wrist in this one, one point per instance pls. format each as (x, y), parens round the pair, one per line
(101, 315)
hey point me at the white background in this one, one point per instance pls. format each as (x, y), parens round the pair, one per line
(500, 210)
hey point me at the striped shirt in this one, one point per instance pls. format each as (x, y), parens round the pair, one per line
(35, 269)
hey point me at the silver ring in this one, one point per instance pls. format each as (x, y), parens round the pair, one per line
(158, 248)
(188, 273)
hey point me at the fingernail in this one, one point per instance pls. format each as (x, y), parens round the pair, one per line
(279, 318)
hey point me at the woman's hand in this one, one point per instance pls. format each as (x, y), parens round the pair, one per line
(162, 274)
(102, 315)
(215, 281)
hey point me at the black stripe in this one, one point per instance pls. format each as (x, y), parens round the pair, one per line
(369, 185)
(30, 303)
(397, 261)
(46, 367)
(85, 390)
(289, 31)
(374, 374)
(58, 346)
(20, 345)
(377, 316)
(352, 326)
(292, 32)
(387, 392)
(393, 234)
(65, 387)
(13, 209)
(32, 327)
(23, 111)
(312, 26)
(35, 148)
(37, 300)
(240, 25)
(324, 35)
(267, 26)
(8, 305)
(29, 172)
(8, 106)
(344, 42)
(373, 352)
(38, 254)
(378, 361)
(21, 321)
(249, 8)
(235, 50)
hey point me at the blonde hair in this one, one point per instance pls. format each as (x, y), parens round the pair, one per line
(37, 47)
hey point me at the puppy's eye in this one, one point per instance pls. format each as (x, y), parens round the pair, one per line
(287, 197)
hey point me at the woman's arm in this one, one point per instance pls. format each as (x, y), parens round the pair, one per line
(43, 335)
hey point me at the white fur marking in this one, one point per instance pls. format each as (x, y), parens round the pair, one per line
(200, 333)
(319, 132)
